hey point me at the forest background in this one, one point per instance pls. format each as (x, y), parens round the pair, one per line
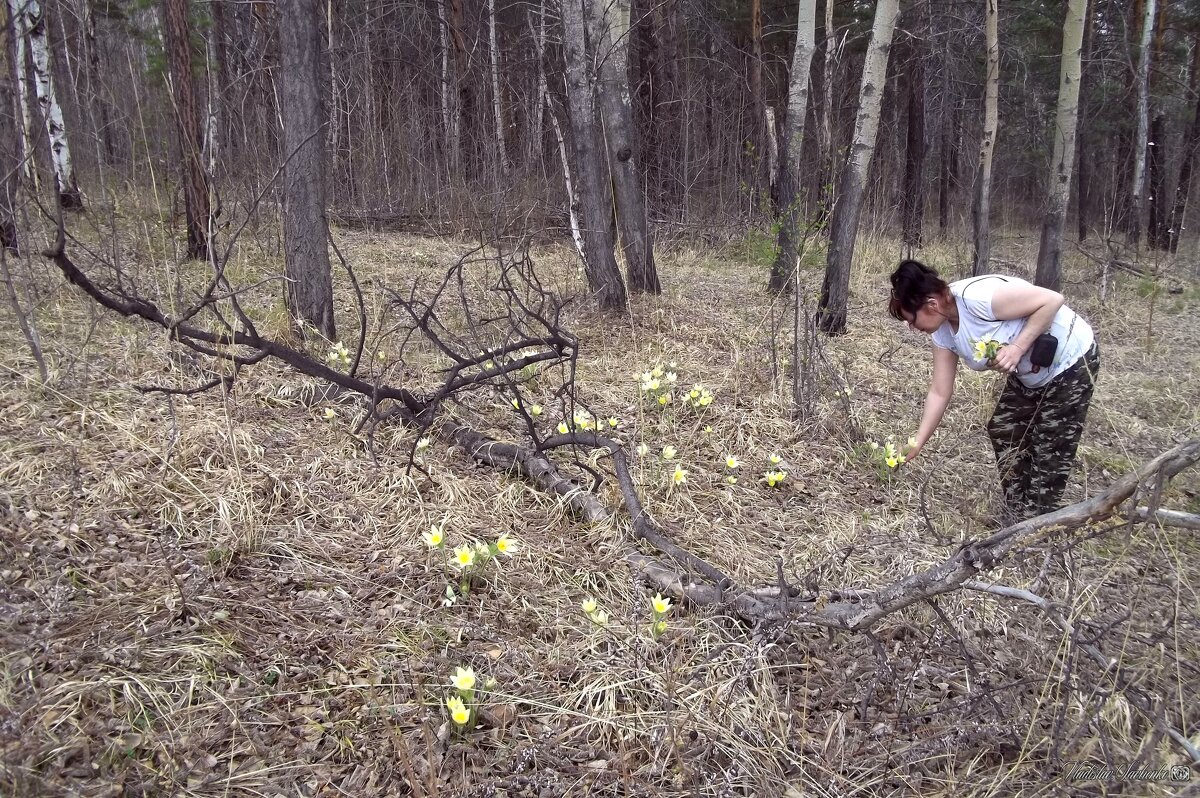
(476, 397)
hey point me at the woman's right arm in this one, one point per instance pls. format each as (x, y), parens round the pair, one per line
(945, 368)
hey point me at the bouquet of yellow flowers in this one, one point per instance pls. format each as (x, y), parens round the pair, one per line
(987, 349)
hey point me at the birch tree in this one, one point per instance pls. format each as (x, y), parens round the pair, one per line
(1191, 144)
(20, 77)
(43, 80)
(1137, 191)
(177, 28)
(793, 140)
(611, 21)
(497, 110)
(981, 210)
(601, 268)
(305, 227)
(835, 291)
(825, 136)
(1049, 266)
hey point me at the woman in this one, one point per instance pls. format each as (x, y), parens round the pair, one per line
(1036, 426)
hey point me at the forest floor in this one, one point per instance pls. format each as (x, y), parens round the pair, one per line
(230, 595)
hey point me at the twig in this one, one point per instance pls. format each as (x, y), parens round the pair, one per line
(1107, 665)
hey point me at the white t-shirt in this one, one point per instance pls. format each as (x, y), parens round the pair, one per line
(976, 322)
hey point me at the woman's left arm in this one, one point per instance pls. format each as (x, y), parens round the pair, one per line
(1033, 303)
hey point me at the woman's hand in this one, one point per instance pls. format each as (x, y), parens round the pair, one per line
(1008, 358)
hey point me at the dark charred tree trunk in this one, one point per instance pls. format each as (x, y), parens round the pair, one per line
(1156, 227)
(1190, 145)
(305, 226)
(177, 30)
(10, 167)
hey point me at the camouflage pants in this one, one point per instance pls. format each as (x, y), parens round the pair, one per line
(1035, 433)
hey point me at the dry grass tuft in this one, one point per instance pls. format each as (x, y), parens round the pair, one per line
(229, 595)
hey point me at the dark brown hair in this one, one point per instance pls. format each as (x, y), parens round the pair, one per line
(912, 283)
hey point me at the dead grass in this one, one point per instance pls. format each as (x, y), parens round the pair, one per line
(220, 596)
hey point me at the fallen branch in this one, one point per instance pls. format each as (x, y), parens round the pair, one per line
(1166, 518)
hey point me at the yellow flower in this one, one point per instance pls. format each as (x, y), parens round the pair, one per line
(599, 617)
(874, 445)
(464, 556)
(613, 421)
(562, 428)
(661, 605)
(657, 371)
(694, 393)
(774, 459)
(660, 627)
(588, 606)
(643, 450)
(423, 443)
(381, 355)
(731, 462)
(463, 679)
(458, 710)
(708, 429)
(706, 400)
(680, 475)
(516, 403)
(664, 399)
(653, 385)
(732, 480)
(330, 414)
(536, 410)
(668, 452)
(892, 462)
(434, 537)
(506, 545)
(774, 478)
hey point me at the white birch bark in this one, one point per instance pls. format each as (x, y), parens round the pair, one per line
(21, 89)
(835, 291)
(983, 179)
(1138, 188)
(793, 144)
(60, 149)
(1049, 268)
(497, 111)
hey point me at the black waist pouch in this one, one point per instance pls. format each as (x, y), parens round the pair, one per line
(1044, 348)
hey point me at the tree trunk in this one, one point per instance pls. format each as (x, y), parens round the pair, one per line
(1157, 199)
(10, 167)
(758, 111)
(305, 227)
(611, 21)
(913, 199)
(97, 105)
(1191, 144)
(980, 212)
(56, 131)
(1049, 266)
(217, 139)
(1083, 158)
(497, 109)
(177, 30)
(539, 91)
(594, 215)
(449, 96)
(835, 291)
(18, 59)
(793, 140)
(826, 149)
(1137, 192)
